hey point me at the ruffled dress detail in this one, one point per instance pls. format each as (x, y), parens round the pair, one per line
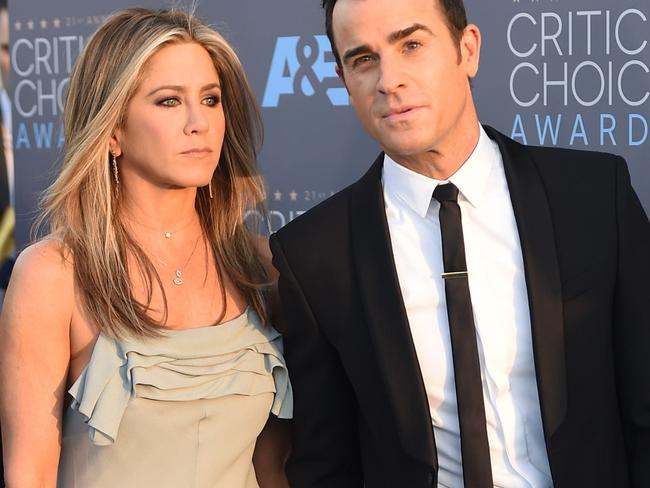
(239, 357)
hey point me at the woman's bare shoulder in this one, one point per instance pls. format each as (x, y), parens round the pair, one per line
(48, 258)
(43, 274)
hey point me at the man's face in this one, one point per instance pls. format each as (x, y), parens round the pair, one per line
(406, 76)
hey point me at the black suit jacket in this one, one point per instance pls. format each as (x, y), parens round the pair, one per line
(361, 413)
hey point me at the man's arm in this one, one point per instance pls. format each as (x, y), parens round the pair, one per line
(270, 455)
(632, 326)
(325, 441)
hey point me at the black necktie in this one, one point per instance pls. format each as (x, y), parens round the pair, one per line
(475, 450)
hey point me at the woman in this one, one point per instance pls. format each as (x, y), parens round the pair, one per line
(147, 300)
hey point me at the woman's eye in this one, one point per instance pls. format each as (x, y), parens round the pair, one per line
(169, 102)
(212, 101)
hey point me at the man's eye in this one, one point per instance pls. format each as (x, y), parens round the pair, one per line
(411, 45)
(361, 60)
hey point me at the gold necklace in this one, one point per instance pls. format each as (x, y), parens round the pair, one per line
(178, 275)
(167, 234)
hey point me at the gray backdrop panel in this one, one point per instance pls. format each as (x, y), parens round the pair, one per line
(593, 55)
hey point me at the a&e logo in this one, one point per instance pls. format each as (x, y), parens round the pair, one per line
(300, 66)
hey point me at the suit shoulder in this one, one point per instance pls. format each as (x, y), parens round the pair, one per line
(552, 160)
(573, 158)
(571, 175)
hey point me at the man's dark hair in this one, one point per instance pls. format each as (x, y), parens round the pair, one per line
(454, 11)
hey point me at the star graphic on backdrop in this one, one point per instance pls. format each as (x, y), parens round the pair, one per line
(293, 195)
(56, 22)
(43, 24)
(278, 195)
(30, 24)
(18, 25)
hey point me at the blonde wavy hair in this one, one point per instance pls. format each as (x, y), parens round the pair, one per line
(82, 206)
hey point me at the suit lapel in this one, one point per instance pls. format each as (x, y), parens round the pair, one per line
(386, 317)
(537, 237)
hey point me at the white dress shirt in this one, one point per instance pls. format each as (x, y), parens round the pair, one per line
(501, 314)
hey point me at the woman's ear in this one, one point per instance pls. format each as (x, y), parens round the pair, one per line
(114, 144)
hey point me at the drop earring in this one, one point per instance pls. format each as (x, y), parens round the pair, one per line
(116, 176)
(210, 190)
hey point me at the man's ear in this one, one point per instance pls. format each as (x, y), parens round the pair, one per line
(470, 49)
(339, 73)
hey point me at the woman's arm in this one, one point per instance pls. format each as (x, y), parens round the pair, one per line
(34, 358)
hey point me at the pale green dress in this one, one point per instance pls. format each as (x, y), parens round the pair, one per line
(182, 410)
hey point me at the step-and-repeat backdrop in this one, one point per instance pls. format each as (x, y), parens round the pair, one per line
(571, 73)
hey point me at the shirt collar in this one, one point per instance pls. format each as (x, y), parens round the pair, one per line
(412, 188)
(416, 190)
(472, 177)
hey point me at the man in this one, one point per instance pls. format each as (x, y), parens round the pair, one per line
(471, 312)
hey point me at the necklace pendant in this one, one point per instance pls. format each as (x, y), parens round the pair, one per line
(178, 280)
(168, 235)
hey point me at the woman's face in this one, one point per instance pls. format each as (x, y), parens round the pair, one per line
(175, 123)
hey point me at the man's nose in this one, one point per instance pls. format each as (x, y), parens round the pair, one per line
(391, 75)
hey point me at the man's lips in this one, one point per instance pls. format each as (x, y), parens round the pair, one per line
(400, 113)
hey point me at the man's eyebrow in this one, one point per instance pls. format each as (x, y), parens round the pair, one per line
(396, 36)
(355, 51)
(180, 88)
(393, 37)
